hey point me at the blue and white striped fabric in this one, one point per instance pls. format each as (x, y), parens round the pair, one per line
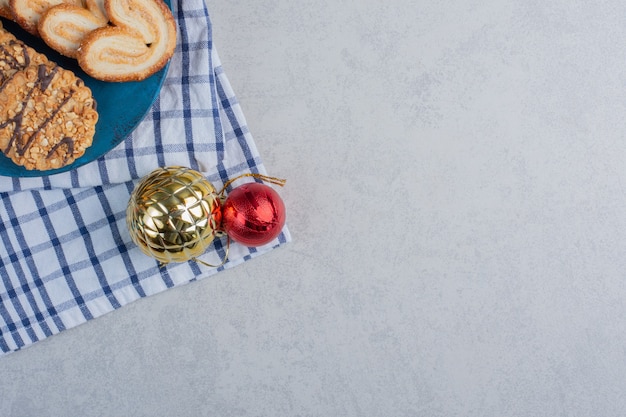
(66, 256)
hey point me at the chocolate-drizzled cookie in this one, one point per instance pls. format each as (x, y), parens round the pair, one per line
(47, 117)
(15, 55)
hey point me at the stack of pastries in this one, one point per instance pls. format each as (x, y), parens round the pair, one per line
(47, 114)
(113, 40)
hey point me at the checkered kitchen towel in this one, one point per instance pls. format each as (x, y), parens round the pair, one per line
(65, 254)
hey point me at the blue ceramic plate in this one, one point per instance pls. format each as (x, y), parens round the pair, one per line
(121, 106)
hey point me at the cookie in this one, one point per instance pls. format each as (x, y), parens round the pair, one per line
(96, 7)
(15, 55)
(64, 26)
(47, 117)
(5, 9)
(140, 42)
(28, 12)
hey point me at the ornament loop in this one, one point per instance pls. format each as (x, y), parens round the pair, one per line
(272, 180)
(223, 260)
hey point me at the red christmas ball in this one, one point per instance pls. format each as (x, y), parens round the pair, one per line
(253, 214)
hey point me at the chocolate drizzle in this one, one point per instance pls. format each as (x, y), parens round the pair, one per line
(44, 79)
(67, 141)
(11, 60)
(6, 81)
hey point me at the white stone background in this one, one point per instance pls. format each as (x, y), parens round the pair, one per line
(456, 193)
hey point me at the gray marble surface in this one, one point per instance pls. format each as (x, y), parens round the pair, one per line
(456, 193)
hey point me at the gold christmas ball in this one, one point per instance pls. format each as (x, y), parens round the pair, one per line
(173, 214)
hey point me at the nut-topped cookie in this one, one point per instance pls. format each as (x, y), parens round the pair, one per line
(15, 55)
(47, 117)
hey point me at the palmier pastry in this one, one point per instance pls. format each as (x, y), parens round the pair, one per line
(96, 7)
(28, 12)
(139, 44)
(64, 26)
(5, 9)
